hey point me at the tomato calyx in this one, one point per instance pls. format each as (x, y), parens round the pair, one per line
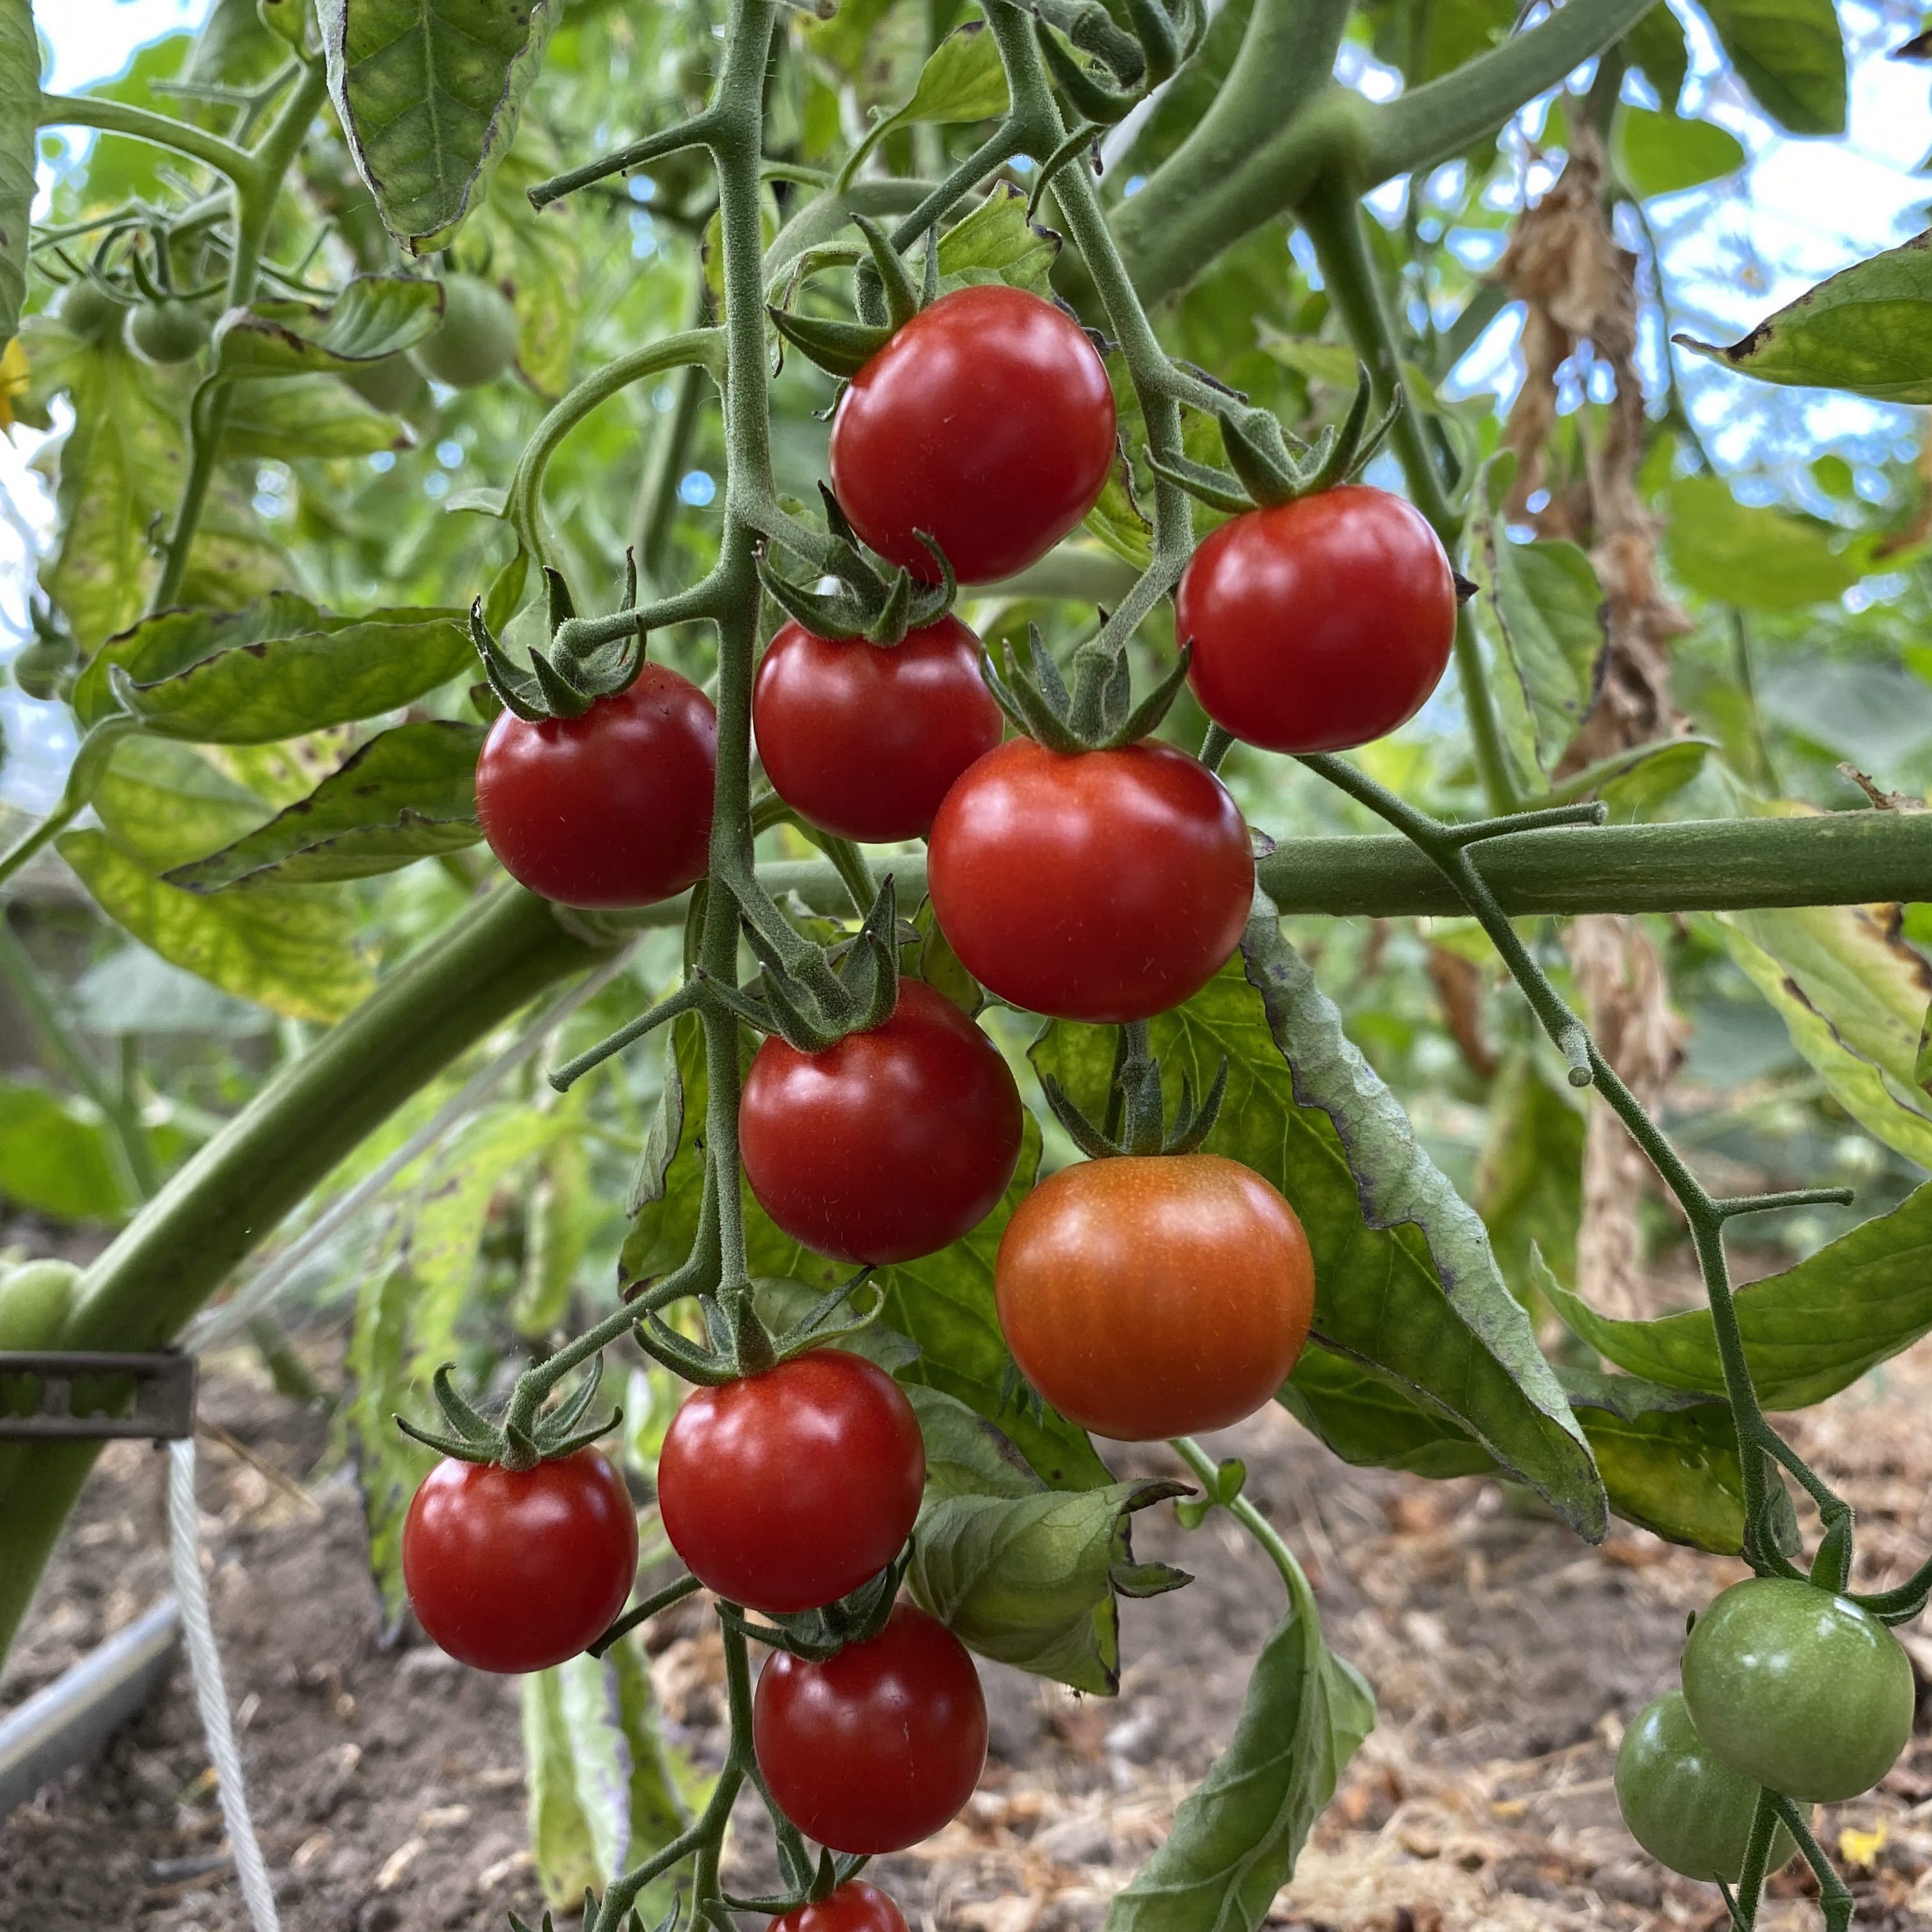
(634, 1921)
(586, 661)
(1272, 468)
(866, 604)
(851, 989)
(1135, 1122)
(888, 299)
(811, 1884)
(1098, 714)
(813, 1636)
(737, 1342)
(514, 1445)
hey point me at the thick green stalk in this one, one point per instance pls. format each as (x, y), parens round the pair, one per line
(234, 1191)
(143, 124)
(1333, 218)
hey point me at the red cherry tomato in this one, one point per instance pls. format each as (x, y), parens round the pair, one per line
(891, 1144)
(514, 1571)
(1104, 885)
(855, 1906)
(1155, 1295)
(1320, 624)
(878, 1746)
(988, 422)
(611, 808)
(866, 741)
(787, 1490)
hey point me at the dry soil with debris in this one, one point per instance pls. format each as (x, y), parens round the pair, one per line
(1506, 1655)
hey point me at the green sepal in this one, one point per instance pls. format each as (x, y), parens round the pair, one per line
(1215, 488)
(904, 297)
(839, 348)
(1230, 1476)
(1258, 452)
(1832, 1566)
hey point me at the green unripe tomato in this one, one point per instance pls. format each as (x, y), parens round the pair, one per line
(392, 383)
(1688, 1809)
(35, 1298)
(476, 341)
(1801, 1691)
(168, 332)
(87, 311)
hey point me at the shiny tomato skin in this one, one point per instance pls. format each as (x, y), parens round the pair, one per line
(1154, 1295)
(1319, 624)
(1100, 886)
(1686, 1808)
(515, 1571)
(786, 1491)
(854, 1906)
(988, 422)
(865, 741)
(609, 809)
(878, 1746)
(890, 1144)
(1801, 1691)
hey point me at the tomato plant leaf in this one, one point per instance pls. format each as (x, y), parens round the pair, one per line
(428, 93)
(962, 80)
(1852, 994)
(1529, 1181)
(1538, 611)
(1030, 1580)
(275, 670)
(310, 415)
(1752, 555)
(1808, 1332)
(607, 1787)
(374, 316)
(389, 1465)
(1658, 153)
(965, 1454)
(57, 1156)
(996, 242)
(1405, 1278)
(165, 803)
(409, 794)
(20, 96)
(1657, 45)
(1236, 1836)
(1866, 329)
(1791, 54)
(1369, 1421)
(294, 953)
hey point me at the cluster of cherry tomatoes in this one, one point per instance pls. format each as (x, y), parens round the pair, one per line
(1142, 1296)
(1787, 1687)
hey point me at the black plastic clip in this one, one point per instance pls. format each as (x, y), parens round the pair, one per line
(162, 1395)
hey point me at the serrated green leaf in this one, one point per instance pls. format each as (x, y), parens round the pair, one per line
(1658, 153)
(1791, 54)
(300, 671)
(121, 468)
(1867, 330)
(164, 802)
(1808, 1332)
(428, 92)
(607, 1787)
(1852, 994)
(963, 80)
(1756, 557)
(295, 953)
(19, 96)
(1538, 611)
(996, 242)
(1030, 1580)
(1668, 1457)
(57, 1156)
(409, 794)
(311, 416)
(1236, 1836)
(1405, 1278)
(965, 1454)
(375, 316)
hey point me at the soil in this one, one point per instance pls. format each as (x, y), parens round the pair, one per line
(1506, 1655)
